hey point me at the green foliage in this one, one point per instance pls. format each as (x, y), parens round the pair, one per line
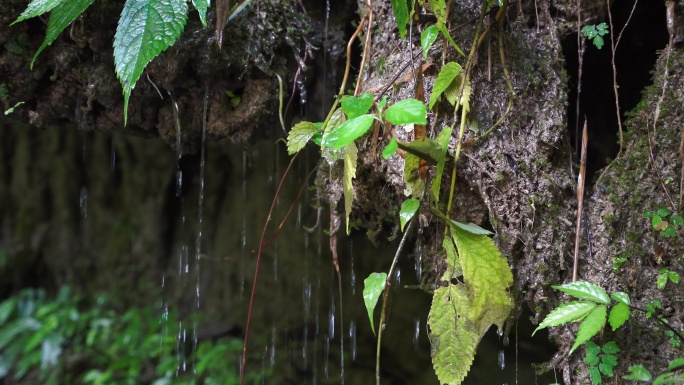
(665, 275)
(672, 375)
(372, 288)
(348, 132)
(590, 310)
(201, 6)
(424, 148)
(299, 136)
(146, 29)
(356, 106)
(601, 360)
(443, 141)
(46, 336)
(595, 33)
(401, 15)
(11, 109)
(664, 221)
(427, 39)
(408, 210)
(390, 149)
(409, 111)
(446, 80)
(349, 155)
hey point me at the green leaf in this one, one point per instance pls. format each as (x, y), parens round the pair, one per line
(408, 209)
(606, 369)
(595, 375)
(589, 31)
(469, 227)
(11, 109)
(592, 324)
(356, 106)
(453, 262)
(661, 281)
(424, 148)
(452, 335)
(619, 314)
(37, 8)
(201, 6)
(602, 29)
(566, 313)
(6, 309)
(673, 276)
(444, 79)
(442, 27)
(414, 184)
(146, 29)
(349, 156)
(372, 288)
(638, 373)
(609, 359)
(400, 9)
(668, 378)
(676, 364)
(443, 141)
(62, 15)
(427, 38)
(299, 136)
(676, 220)
(592, 350)
(663, 212)
(406, 112)
(621, 297)
(390, 149)
(348, 131)
(610, 347)
(585, 290)
(487, 278)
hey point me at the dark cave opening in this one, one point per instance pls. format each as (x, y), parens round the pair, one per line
(635, 57)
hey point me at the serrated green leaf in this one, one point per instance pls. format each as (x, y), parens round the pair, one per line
(592, 349)
(487, 278)
(349, 156)
(408, 209)
(673, 276)
(452, 91)
(372, 288)
(425, 148)
(390, 149)
(355, 106)
(469, 227)
(592, 324)
(201, 6)
(661, 281)
(606, 369)
(427, 38)
(638, 373)
(348, 131)
(610, 347)
(409, 111)
(621, 297)
(401, 16)
(585, 290)
(453, 262)
(589, 31)
(62, 15)
(609, 359)
(146, 29)
(37, 8)
(445, 78)
(453, 336)
(591, 359)
(443, 141)
(445, 31)
(619, 314)
(299, 136)
(566, 313)
(414, 184)
(598, 42)
(595, 375)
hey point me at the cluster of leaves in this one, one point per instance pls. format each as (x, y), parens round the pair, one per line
(48, 337)
(601, 360)
(595, 33)
(402, 15)
(640, 373)
(665, 221)
(591, 310)
(652, 309)
(665, 275)
(146, 28)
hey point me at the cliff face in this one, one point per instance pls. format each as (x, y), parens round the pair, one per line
(519, 180)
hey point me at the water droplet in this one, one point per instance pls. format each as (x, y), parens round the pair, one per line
(273, 346)
(352, 340)
(179, 182)
(397, 278)
(331, 321)
(501, 360)
(353, 273)
(83, 202)
(419, 256)
(416, 332)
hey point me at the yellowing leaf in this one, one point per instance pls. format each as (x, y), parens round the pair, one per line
(453, 337)
(591, 325)
(487, 278)
(453, 263)
(414, 184)
(349, 156)
(299, 136)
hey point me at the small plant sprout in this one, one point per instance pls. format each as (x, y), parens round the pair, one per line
(591, 310)
(665, 275)
(673, 374)
(595, 33)
(664, 221)
(601, 360)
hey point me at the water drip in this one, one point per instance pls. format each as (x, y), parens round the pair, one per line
(416, 332)
(273, 347)
(419, 255)
(501, 360)
(112, 160)
(331, 321)
(353, 273)
(352, 340)
(83, 202)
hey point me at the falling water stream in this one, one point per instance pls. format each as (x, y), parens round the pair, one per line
(192, 222)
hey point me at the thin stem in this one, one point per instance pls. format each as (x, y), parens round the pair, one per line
(662, 322)
(580, 199)
(385, 295)
(366, 48)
